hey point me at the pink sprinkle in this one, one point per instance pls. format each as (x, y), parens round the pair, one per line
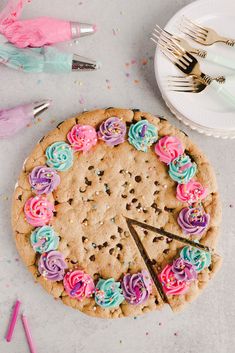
(184, 167)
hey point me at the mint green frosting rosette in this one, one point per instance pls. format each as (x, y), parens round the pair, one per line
(198, 258)
(182, 169)
(44, 239)
(108, 293)
(142, 135)
(59, 156)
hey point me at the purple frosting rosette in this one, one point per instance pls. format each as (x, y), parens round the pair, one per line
(193, 220)
(183, 270)
(44, 180)
(52, 266)
(137, 287)
(112, 131)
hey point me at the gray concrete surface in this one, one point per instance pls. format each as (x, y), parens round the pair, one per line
(208, 324)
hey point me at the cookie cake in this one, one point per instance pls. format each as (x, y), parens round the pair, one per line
(116, 213)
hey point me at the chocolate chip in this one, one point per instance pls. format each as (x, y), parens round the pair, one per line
(105, 244)
(87, 182)
(167, 209)
(111, 251)
(82, 191)
(74, 262)
(156, 239)
(166, 251)
(120, 230)
(154, 205)
(132, 191)
(100, 172)
(90, 167)
(128, 207)
(84, 239)
(56, 203)
(156, 183)
(134, 200)
(69, 201)
(119, 246)
(113, 237)
(124, 196)
(156, 302)
(138, 178)
(20, 197)
(92, 258)
(169, 240)
(146, 232)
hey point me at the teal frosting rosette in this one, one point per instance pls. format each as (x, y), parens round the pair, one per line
(108, 293)
(44, 239)
(182, 169)
(142, 135)
(200, 259)
(59, 156)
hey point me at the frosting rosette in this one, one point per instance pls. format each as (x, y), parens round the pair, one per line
(82, 137)
(193, 220)
(168, 148)
(78, 284)
(171, 285)
(59, 156)
(181, 169)
(108, 293)
(191, 192)
(44, 239)
(183, 270)
(142, 135)
(52, 266)
(198, 258)
(112, 131)
(43, 180)
(137, 287)
(38, 211)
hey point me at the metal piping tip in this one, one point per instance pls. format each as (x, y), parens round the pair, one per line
(39, 107)
(81, 63)
(82, 29)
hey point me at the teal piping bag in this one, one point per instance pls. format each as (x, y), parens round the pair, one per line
(46, 59)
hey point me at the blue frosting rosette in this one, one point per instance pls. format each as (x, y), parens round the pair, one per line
(108, 293)
(182, 169)
(44, 239)
(59, 156)
(198, 258)
(142, 135)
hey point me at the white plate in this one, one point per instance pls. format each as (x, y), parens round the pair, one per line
(206, 111)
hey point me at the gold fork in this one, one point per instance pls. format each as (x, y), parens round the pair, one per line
(187, 84)
(193, 84)
(203, 35)
(182, 59)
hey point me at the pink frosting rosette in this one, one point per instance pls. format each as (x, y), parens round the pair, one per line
(82, 137)
(168, 148)
(78, 284)
(171, 285)
(38, 211)
(191, 192)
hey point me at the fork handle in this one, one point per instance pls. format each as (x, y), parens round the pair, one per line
(220, 60)
(224, 93)
(228, 41)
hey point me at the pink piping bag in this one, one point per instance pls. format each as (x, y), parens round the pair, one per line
(15, 119)
(40, 31)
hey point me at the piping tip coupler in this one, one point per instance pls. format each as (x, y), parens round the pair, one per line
(39, 107)
(81, 29)
(80, 63)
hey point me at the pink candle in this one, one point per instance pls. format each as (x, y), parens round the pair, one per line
(28, 334)
(13, 320)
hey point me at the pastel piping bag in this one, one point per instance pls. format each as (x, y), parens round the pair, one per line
(40, 31)
(46, 59)
(15, 119)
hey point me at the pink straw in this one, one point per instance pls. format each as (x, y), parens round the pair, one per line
(28, 334)
(13, 320)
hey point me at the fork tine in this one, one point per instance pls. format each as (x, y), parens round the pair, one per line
(194, 32)
(165, 33)
(188, 34)
(195, 24)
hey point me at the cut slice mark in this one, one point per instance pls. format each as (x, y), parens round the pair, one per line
(147, 260)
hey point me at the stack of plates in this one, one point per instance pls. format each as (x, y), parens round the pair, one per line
(205, 112)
